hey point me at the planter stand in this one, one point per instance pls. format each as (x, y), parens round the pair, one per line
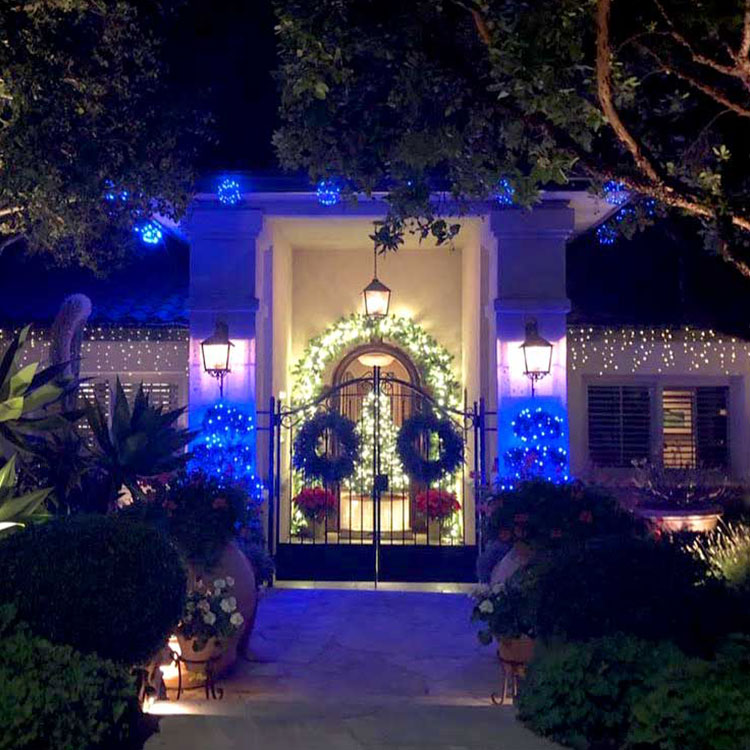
(511, 674)
(208, 667)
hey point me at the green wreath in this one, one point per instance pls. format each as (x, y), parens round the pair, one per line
(413, 432)
(330, 469)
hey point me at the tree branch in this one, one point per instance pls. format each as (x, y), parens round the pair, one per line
(604, 92)
(744, 50)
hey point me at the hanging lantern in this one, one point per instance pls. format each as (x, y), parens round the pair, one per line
(537, 355)
(377, 295)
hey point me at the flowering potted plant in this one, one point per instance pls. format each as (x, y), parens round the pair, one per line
(437, 506)
(683, 499)
(204, 515)
(211, 620)
(539, 516)
(315, 504)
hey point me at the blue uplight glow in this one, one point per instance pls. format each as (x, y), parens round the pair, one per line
(328, 192)
(150, 232)
(228, 191)
(505, 193)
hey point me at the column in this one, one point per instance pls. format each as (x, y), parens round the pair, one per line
(531, 286)
(222, 288)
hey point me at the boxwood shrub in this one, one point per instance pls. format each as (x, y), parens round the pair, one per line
(101, 584)
(624, 693)
(56, 698)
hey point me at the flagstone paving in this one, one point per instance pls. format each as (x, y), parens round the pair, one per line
(365, 670)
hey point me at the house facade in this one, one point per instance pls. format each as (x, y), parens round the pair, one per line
(285, 271)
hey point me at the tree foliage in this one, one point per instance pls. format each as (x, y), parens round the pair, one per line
(92, 140)
(653, 94)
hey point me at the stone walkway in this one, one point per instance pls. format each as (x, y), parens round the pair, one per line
(355, 670)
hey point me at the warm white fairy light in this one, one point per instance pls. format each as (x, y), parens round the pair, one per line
(121, 350)
(433, 360)
(634, 350)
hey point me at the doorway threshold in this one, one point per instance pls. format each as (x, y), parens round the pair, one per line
(429, 588)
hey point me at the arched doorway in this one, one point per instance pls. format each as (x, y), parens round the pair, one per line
(400, 395)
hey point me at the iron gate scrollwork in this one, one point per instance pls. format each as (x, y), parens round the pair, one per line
(375, 529)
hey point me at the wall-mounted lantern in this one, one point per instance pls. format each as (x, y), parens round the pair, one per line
(216, 352)
(537, 354)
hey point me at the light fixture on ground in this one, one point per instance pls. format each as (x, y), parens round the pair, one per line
(216, 352)
(377, 295)
(537, 354)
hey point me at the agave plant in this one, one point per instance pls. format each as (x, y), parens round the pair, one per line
(28, 393)
(18, 510)
(142, 442)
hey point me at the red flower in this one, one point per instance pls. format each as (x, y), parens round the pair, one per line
(520, 532)
(586, 516)
(219, 502)
(556, 533)
(437, 504)
(521, 517)
(315, 503)
(504, 535)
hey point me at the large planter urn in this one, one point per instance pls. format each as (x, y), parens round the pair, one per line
(518, 555)
(233, 563)
(697, 519)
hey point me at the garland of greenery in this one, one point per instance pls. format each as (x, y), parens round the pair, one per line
(433, 361)
(329, 469)
(413, 431)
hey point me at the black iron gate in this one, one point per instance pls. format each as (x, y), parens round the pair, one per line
(376, 527)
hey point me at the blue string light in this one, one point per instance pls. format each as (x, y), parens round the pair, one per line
(615, 193)
(226, 447)
(505, 193)
(541, 453)
(228, 192)
(112, 194)
(150, 232)
(328, 192)
(607, 233)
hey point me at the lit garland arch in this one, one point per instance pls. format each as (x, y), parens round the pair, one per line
(432, 360)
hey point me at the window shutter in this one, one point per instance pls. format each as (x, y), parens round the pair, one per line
(712, 427)
(619, 425)
(678, 428)
(91, 391)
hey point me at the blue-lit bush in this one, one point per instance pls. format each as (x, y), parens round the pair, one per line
(228, 192)
(328, 192)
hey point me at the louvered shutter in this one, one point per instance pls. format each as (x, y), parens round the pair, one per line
(619, 425)
(159, 394)
(712, 427)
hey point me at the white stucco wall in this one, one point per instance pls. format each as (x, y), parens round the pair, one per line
(658, 358)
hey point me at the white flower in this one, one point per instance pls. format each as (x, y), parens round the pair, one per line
(188, 618)
(190, 606)
(204, 605)
(236, 619)
(209, 618)
(219, 584)
(487, 607)
(229, 604)
(230, 581)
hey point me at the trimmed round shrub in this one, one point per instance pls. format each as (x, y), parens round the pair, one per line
(54, 697)
(101, 584)
(650, 589)
(580, 694)
(693, 704)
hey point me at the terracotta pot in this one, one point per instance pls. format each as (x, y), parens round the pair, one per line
(516, 650)
(234, 563)
(687, 519)
(520, 554)
(434, 530)
(212, 650)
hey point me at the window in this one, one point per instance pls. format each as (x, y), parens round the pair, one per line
(695, 428)
(619, 425)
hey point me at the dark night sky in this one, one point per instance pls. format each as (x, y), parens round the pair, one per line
(223, 53)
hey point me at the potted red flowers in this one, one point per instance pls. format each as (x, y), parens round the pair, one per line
(315, 504)
(437, 506)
